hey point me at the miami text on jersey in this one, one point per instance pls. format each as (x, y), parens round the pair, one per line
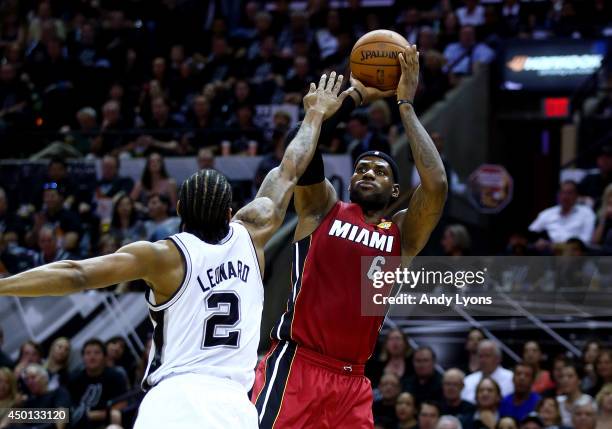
(354, 233)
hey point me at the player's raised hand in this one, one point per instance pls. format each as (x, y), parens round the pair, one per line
(324, 97)
(369, 93)
(409, 81)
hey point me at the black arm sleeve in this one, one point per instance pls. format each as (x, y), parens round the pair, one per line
(315, 172)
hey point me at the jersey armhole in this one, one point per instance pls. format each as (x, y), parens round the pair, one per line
(176, 241)
(253, 251)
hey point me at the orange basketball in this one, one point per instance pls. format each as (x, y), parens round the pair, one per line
(374, 59)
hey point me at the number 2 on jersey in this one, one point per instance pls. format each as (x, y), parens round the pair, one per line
(226, 315)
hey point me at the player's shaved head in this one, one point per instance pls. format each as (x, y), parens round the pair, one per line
(204, 205)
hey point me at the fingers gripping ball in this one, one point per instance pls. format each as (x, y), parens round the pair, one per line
(374, 59)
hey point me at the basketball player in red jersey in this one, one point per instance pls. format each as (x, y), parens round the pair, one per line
(313, 375)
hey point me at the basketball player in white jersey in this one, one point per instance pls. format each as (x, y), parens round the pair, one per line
(206, 292)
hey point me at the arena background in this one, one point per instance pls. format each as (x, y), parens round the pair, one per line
(523, 85)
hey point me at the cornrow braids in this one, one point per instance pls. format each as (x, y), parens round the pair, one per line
(205, 198)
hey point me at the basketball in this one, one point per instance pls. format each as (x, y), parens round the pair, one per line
(374, 59)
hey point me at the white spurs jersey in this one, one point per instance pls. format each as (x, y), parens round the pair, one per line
(211, 324)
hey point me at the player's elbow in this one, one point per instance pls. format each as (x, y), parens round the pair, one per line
(74, 275)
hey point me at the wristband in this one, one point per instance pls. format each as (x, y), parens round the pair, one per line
(405, 101)
(359, 94)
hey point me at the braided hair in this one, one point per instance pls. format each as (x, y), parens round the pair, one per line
(205, 198)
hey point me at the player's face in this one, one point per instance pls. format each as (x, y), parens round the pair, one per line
(372, 184)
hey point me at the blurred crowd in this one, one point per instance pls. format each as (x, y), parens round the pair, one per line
(108, 77)
(100, 384)
(413, 391)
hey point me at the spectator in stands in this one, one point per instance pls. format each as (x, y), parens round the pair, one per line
(559, 363)
(29, 352)
(456, 240)
(201, 123)
(507, 423)
(108, 186)
(161, 224)
(205, 159)
(14, 258)
(472, 361)
(584, 414)
(164, 136)
(490, 357)
(50, 250)
(380, 121)
(271, 160)
(154, 180)
(390, 389)
(593, 185)
(5, 360)
(429, 414)
(409, 25)
(603, 232)
(523, 401)
(110, 182)
(571, 393)
(43, 15)
(512, 18)
(405, 411)
(297, 80)
(463, 56)
(115, 357)
(452, 404)
(548, 411)
(360, 138)
(532, 355)
(533, 421)
(449, 422)
(603, 368)
(57, 363)
(14, 97)
(566, 220)
(83, 136)
(10, 224)
(247, 138)
(111, 139)
(40, 394)
(394, 358)
(125, 226)
(488, 397)
(590, 351)
(471, 14)
(604, 404)
(93, 387)
(426, 383)
(8, 392)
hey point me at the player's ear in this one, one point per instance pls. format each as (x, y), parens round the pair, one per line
(395, 191)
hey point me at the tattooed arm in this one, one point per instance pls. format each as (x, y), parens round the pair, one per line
(426, 204)
(264, 215)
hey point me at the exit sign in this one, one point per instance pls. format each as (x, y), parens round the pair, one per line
(556, 107)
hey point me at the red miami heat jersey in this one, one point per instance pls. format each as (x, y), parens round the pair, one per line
(324, 309)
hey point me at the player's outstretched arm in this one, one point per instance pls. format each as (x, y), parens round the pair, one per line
(264, 215)
(314, 195)
(135, 261)
(426, 204)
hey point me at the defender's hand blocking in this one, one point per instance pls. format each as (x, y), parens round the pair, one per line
(409, 81)
(324, 98)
